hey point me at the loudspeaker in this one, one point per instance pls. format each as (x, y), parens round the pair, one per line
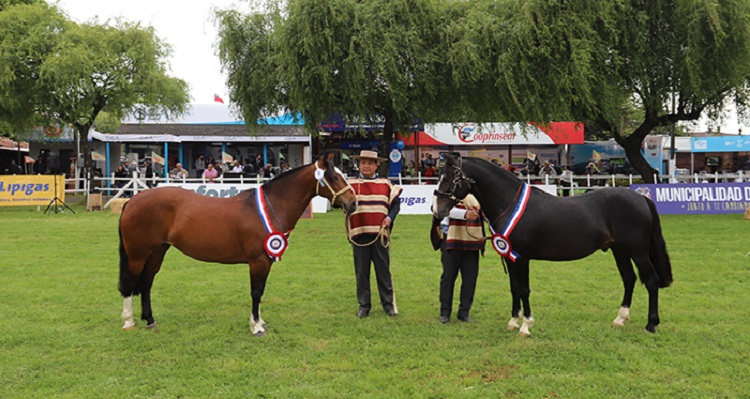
(53, 163)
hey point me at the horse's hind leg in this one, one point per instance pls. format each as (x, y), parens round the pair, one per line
(625, 267)
(650, 279)
(153, 265)
(127, 313)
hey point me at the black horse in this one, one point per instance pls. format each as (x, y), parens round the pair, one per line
(528, 223)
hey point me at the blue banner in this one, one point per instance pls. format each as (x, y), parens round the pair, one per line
(395, 160)
(697, 198)
(720, 144)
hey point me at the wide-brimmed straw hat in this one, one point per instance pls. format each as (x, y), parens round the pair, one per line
(367, 154)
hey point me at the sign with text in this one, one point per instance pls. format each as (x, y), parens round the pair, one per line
(697, 198)
(30, 189)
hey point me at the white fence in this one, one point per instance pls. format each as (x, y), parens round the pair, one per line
(418, 190)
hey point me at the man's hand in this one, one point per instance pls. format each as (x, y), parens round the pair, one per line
(386, 223)
(472, 215)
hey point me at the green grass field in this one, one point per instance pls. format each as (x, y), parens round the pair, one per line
(60, 321)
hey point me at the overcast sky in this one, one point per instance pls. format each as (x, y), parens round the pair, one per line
(185, 25)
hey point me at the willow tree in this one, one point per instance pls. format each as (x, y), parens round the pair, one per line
(675, 60)
(28, 35)
(489, 60)
(378, 61)
(73, 72)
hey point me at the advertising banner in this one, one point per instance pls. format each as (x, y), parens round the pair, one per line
(30, 189)
(441, 134)
(697, 198)
(720, 144)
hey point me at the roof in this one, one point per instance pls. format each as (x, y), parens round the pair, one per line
(175, 132)
(179, 129)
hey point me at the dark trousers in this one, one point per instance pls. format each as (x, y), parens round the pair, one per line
(566, 188)
(455, 261)
(380, 257)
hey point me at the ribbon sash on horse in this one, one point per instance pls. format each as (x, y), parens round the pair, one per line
(275, 243)
(501, 241)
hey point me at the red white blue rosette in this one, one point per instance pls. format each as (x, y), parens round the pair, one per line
(275, 245)
(501, 245)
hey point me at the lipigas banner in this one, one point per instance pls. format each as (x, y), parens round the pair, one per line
(31, 189)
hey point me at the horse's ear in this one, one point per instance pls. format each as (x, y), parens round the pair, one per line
(329, 156)
(450, 157)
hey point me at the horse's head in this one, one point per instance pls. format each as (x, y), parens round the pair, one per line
(332, 184)
(453, 186)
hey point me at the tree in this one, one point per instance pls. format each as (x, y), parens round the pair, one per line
(677, 60)
(83, 70)
(671, 60)
(600, 62)
(377, 61)
(7, 3)
(117, 69)
(28, 35)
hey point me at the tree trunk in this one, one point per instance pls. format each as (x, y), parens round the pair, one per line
(83, 133)
(632, 145)
(385, 147)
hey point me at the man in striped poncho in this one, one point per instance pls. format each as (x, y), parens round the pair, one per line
(460, 237)
(369, 232)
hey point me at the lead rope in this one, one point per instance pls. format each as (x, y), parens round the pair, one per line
(383, 234)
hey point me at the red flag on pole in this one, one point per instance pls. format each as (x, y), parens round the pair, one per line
(218, 99)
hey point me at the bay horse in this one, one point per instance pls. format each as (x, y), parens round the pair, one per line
(223, 230)
(528, 223)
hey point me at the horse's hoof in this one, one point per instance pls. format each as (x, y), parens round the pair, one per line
(151, 326)
(618, 324)
(651, 329)
(524, 334)
(128, 327)
(512, 327)
(259, 334)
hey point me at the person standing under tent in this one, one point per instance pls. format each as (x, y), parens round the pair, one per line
(200, 166)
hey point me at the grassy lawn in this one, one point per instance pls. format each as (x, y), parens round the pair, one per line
(61, 337)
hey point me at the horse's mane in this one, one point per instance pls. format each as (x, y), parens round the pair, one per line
(490, 167)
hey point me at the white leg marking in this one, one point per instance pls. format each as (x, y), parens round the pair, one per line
(527, 323)
(127, 313)
(257, 328)
(513, 323)
(622, 316)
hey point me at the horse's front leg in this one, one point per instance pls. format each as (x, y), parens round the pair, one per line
(519, 271)
(515, 311)
(519, 276)
(258, 274)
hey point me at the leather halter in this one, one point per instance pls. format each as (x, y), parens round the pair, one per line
(324, 182)
(459, 179)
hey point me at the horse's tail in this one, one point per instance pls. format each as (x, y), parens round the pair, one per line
(125, 283)
(658, 250)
